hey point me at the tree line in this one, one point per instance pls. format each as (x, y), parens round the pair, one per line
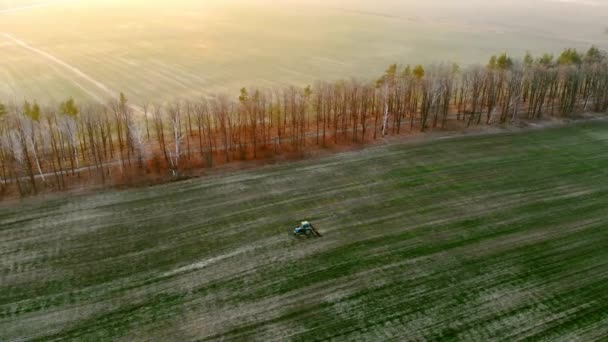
(46, 148)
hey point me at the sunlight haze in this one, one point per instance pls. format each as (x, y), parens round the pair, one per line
(164, 50)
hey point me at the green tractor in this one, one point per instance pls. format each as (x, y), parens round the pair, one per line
(306, 229)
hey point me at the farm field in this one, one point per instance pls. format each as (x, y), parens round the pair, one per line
(158, 51)
(492, 237)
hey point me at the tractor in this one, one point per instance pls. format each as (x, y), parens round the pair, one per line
(306, 229)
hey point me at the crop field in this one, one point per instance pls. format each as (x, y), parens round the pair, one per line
(157, 51)
(490, 237)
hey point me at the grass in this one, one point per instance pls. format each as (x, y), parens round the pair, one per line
(155, 51)
(473, 238)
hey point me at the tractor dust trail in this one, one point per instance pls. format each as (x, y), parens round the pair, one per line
(207, 262)
(69, 67)
(33, 6)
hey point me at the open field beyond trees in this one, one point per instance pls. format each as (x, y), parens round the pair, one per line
(473, 238)
(159, 51)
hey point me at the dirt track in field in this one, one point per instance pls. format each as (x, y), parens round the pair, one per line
(107, 92)
(473, 238)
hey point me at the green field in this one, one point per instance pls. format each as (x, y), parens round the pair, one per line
(156, 51)
(493, 237)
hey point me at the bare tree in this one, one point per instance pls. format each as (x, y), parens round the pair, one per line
(175, 117)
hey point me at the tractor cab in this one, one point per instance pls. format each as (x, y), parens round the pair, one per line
(306, 229)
